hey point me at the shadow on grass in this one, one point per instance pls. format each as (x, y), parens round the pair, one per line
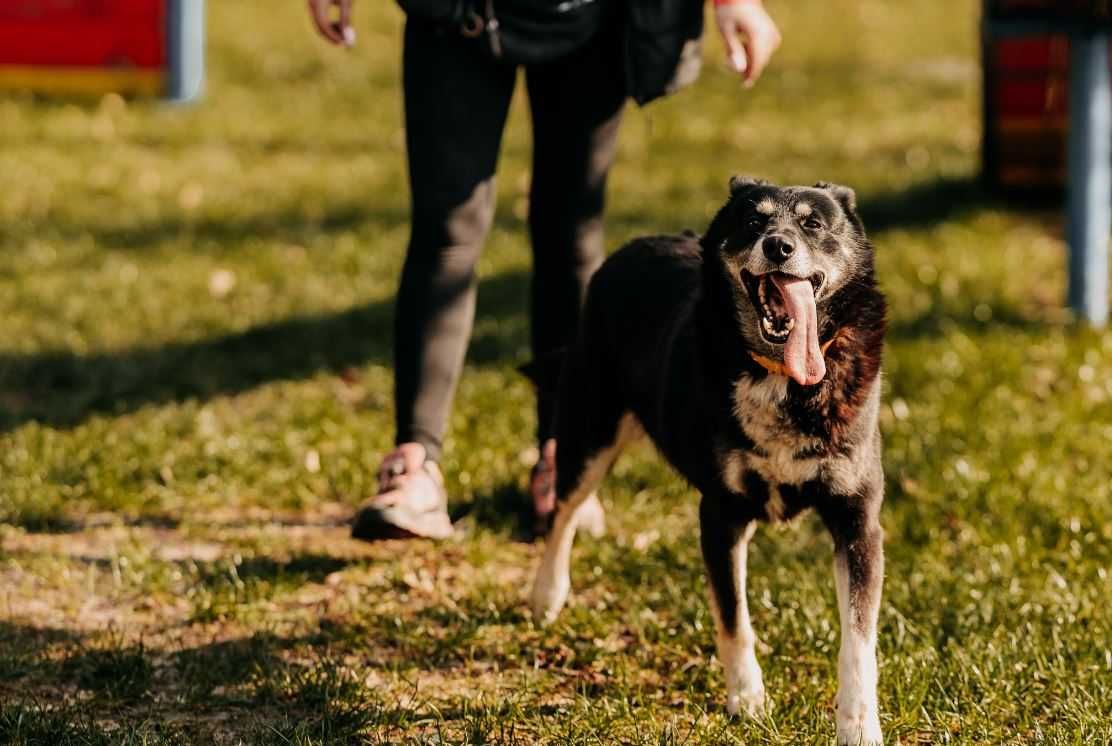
(22, 646)
(63, 389)
(246, 677)
(270, 690)
(936, 323)
(38, 723)
(270, 683)
(298, 569)
(225, 589)
(286, 227)
(930, 203)
(120, 673)
(305, 568)
(505, 509)
(48, 519)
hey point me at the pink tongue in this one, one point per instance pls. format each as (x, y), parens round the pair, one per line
(802, 356)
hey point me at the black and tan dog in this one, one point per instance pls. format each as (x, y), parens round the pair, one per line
(751, 357)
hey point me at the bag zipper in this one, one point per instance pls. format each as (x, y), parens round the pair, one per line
(492, 30)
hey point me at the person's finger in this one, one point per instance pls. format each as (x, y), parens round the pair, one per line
(759, 47)
(735, 50)
(347, 33)
(758, 58)
(318, 9)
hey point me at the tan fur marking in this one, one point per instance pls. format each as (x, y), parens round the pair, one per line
(803, 209)
(775, 505)
(732, 464)
(766, 207)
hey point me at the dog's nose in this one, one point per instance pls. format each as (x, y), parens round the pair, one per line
(777, 248)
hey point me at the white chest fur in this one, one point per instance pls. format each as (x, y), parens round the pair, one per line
(759, 409)
(758, 406)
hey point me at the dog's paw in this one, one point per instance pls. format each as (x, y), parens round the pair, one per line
(857, 718)
(548, 598)
(591, 517)
(754, 704)
(859, 731)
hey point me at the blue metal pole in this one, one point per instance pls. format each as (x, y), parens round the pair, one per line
(1090, 175)
(185, 36)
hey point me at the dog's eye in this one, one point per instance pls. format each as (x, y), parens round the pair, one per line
(812, 224)
(755, 222)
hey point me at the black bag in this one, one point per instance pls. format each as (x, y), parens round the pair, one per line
(663, 49)
(530, 31)
(518, 31)
(661, 37)
(448, 12)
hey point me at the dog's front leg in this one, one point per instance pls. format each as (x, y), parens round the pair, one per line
(725, 542)
(858, 577)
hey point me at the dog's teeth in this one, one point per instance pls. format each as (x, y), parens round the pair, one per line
(791, 324)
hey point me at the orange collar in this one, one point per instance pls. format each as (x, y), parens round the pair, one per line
(776, 368)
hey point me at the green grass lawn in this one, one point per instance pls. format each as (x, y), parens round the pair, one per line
(195, 390)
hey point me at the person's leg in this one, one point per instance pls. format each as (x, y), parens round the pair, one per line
(456, 101)
(576, 106)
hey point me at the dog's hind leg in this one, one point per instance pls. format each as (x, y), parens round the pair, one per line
(858, 576)
(725, 542)
(578, 474)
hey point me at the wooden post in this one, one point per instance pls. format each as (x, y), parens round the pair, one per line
(1090, 175)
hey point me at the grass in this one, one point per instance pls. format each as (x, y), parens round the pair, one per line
(195, 390)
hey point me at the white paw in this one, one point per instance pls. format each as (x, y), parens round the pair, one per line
(591, 517)
(860, 730)
(753, 703)
(549, 595)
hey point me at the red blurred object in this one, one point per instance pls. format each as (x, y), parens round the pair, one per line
(1025, 111)
(83, 33)
(1030, 82)
(1026, 87)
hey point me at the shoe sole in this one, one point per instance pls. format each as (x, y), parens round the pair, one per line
(380, 525)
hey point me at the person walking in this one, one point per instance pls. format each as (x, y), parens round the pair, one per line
(582, 59)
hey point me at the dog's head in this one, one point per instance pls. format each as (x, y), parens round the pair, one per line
(786, 255)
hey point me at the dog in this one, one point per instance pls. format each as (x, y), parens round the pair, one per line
(751, 357)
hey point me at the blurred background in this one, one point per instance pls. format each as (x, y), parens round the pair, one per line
(195, 388)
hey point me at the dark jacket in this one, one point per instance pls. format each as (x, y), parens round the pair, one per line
(663, 46)
(662, 37)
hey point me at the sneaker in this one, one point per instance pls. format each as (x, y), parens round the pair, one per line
(411, 501)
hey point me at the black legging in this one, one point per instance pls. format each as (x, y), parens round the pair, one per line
(456, 101)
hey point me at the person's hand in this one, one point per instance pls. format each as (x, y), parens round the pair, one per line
(749, 34)
(338, 32)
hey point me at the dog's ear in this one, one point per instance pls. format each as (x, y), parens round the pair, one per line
(723, 221)
(846, 197)
(739, 184)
